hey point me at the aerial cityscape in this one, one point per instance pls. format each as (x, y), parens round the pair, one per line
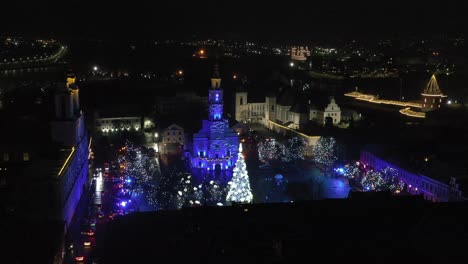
(173, 132)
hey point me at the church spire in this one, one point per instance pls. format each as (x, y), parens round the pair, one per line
(216, 79)
(216, 71)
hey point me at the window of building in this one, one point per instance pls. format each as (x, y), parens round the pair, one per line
(433, 100)
(272, 107)
(180, 139)
(180, 133)
(6, 156)
(25, 156)
(168, 133)
(173, 132)
(241, 101)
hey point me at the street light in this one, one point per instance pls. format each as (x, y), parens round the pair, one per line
(95, 68)
(291, 64)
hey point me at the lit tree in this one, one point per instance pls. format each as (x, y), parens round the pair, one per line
(293, 150)
(267, 151)
(373, 181)
(239, 186)
(390, 175)
(324, 152)
(351, 171)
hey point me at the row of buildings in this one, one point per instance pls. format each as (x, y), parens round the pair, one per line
(44, 166)
(288, 108)
(446, 186)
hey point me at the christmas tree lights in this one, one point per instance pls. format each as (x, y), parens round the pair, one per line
(267, 151)
(239, 186)
(324, 152)
(373, 181)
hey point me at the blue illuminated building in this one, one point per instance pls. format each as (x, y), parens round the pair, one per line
(215, 145)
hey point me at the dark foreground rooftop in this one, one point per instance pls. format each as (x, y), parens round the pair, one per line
(365, 228)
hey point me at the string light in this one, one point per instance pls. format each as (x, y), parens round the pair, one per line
(324, 152)
(239, 186)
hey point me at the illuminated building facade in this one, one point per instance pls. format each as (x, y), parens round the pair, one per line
(48, 166)
(432, 97)
(215, 145)
(287, 108)
(435, 189)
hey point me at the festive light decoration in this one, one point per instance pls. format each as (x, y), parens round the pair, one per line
(374, 99)
(214, 143)
(324, 152)
(373, 181)
(268, 151)
(294, 150)
(391, 176)
(349, 171)
(215, 193)
(139, 171)
(239, 186)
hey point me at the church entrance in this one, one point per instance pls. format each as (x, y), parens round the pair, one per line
(218, 167)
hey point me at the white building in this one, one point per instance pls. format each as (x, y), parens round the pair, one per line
(332, 110)
(115, 124)
(288, 108)
(173, 134)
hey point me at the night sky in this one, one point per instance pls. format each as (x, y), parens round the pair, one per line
(262, 19)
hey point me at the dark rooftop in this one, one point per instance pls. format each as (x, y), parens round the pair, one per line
(383, 228)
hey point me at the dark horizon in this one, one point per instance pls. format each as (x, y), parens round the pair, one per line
(257, 21)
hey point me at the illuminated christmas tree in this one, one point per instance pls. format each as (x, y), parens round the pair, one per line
(373, 181)
(293, 150)
(324, 152)
(391, 176)
(239, 186)
(267, 151)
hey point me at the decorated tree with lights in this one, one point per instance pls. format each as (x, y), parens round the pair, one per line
(324, 153)
(391, 176)
(351, 171)
(293, 149)
(267, 151)
(373, 181)
(239, 187)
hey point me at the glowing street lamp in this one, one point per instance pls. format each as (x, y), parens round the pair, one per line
(95, 68)
(180, 72)
(291, 64)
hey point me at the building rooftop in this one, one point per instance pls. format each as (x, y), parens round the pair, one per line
(291, 232)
